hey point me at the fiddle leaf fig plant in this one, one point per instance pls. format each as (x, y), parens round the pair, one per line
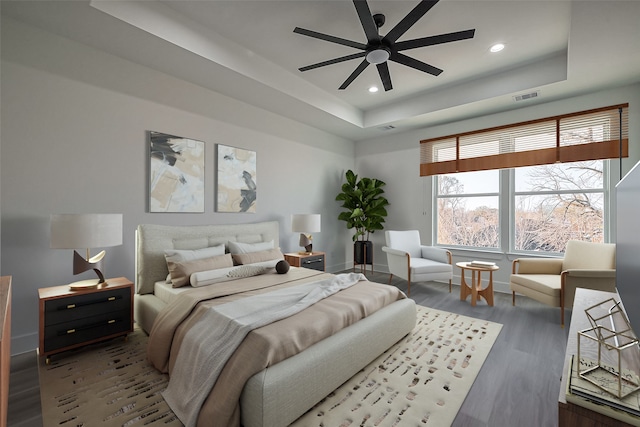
(364, 205)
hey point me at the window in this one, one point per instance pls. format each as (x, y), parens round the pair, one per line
(528, 186)
(556, 203)
(468, 209)
(550, 205)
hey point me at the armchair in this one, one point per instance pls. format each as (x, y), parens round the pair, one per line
(553, 281)
(410, 260)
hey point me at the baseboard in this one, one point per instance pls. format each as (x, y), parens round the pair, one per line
(24, 343)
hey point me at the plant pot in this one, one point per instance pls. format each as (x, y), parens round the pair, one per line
(362, 248)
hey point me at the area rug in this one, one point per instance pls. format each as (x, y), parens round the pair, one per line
(422, 380)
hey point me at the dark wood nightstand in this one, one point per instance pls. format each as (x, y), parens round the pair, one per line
(313, 260)
(74, 318)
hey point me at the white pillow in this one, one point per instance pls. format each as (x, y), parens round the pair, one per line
(179, 255)
(210, 277)
(245, 248)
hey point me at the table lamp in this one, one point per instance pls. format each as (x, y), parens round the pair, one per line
(72, 231)
(305, 224)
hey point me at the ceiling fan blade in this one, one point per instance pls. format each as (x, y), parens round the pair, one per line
(366, 19)
(433, 40)
(329, 38)
(333, 61)
(412, 17)
(355, 74)
(414, 63)
(383, 70)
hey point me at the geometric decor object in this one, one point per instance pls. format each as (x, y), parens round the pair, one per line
(613, 347)
(176, 174)
(237, 189)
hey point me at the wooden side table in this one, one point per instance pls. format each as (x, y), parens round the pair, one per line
(74, 318)
(313, 260)
(476, 290)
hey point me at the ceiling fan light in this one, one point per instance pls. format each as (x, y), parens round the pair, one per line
(373, 89)
(377, 56)
(496, 47)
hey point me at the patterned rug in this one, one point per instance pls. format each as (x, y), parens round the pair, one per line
(424, 379)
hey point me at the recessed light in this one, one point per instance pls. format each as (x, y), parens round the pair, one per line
(373, 89)
(497, 47)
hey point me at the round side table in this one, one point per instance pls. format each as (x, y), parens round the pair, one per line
(476, 290)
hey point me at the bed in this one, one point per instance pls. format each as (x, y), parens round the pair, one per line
(278, 394)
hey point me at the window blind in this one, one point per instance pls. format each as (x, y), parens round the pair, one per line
(588, 135)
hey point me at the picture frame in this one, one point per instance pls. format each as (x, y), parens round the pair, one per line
(176, 174)
(236, 180)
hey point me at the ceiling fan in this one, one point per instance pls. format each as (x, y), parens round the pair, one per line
(378, 50)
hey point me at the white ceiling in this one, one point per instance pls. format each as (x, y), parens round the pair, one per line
(247, 50)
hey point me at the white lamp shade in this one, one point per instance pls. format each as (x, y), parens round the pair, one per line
(305, 223)
(73, 231)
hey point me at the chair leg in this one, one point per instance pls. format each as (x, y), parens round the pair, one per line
(449, 285)
(562, 316)
(409, 287)
(513, 298)
(390, 277)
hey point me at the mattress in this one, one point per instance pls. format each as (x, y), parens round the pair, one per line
(166, 292)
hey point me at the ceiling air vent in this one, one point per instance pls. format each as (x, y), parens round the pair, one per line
(387, 127)
(526, 96)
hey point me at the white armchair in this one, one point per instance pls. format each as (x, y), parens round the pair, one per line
(410, 260)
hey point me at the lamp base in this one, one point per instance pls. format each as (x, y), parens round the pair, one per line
(87, 284)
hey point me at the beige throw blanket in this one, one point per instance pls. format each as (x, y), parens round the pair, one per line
(205, 349)
(267, 345)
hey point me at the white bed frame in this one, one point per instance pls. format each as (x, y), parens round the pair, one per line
(280, 394)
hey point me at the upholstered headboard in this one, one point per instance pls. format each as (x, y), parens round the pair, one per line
(152, 240)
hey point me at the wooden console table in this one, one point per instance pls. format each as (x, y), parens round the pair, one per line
(5, 349)
(570, 414)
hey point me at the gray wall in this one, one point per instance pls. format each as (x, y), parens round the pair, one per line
(395, 159)
(74, 125)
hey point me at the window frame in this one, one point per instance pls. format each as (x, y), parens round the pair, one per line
(507, 210)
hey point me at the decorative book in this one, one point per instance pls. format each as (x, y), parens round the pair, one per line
(482, 264)
(584, 393)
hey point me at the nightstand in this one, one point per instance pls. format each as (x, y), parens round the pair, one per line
(71, 319)
(313, 260)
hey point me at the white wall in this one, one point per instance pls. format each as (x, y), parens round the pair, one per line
(395, 159)
(74, 123)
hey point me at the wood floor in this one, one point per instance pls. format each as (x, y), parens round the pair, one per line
(517, 386)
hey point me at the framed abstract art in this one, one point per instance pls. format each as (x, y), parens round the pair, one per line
(237, 182)
(176, 174)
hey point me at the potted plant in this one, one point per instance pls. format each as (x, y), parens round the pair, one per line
(365, 212)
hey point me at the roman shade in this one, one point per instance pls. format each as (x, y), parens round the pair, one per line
(589, 135)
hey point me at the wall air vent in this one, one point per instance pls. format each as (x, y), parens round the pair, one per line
(387, 127)
(526, 96)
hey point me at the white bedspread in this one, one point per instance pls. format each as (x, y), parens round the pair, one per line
(206, 349)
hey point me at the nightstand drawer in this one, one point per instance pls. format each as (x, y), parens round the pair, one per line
(86, 305)
(79, 331)
(70, 319)
(315, 262)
